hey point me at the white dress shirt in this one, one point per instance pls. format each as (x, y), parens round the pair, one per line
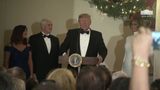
(84, 42)
(47, 42)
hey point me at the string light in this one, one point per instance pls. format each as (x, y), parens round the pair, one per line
(122, 9)
(119, 8)
(133, 12)
(101, 7)
(130, 11)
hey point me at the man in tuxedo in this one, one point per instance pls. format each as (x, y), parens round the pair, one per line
(45, 50)
(84, 40)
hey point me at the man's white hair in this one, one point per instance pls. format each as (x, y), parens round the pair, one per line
(44, 22)
(118, 74)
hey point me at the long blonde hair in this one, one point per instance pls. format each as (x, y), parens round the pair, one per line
(64, 78)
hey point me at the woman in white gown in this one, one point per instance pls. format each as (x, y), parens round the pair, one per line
(127, 61)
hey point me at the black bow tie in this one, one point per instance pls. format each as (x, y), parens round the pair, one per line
(83, 31)
(48, 36)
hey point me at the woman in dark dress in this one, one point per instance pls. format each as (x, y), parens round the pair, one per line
(18, 53)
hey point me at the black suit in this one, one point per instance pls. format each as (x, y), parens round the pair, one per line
(72, 43)
(43, 61)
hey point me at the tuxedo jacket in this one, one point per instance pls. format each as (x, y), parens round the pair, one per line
(43, 61)
(72, 43)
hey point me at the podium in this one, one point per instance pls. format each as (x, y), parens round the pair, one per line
(63, 60)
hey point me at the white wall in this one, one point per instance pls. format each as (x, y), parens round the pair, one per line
(112, 29)
(2, 26)
(30, 12)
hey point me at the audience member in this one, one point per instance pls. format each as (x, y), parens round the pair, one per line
(106, 75)
(155, 85)
(120, 83)
(6, 82)
(64, 78)
(17, 73)
(31, 83)
(19, 84)
(142, 44)
(118, 74)
(47, 85)
(90, 78)
(2, 69)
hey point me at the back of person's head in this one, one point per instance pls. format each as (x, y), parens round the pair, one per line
(118, 74)
(30, 84)
(47, 85)
(17, 72)
(147, 22)
(19, 84)
(64, 78)
(155, 85)
(90, 78)
(6, 82)
(106, 75)
(2, 69)
(121, 83)
(17, 35)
